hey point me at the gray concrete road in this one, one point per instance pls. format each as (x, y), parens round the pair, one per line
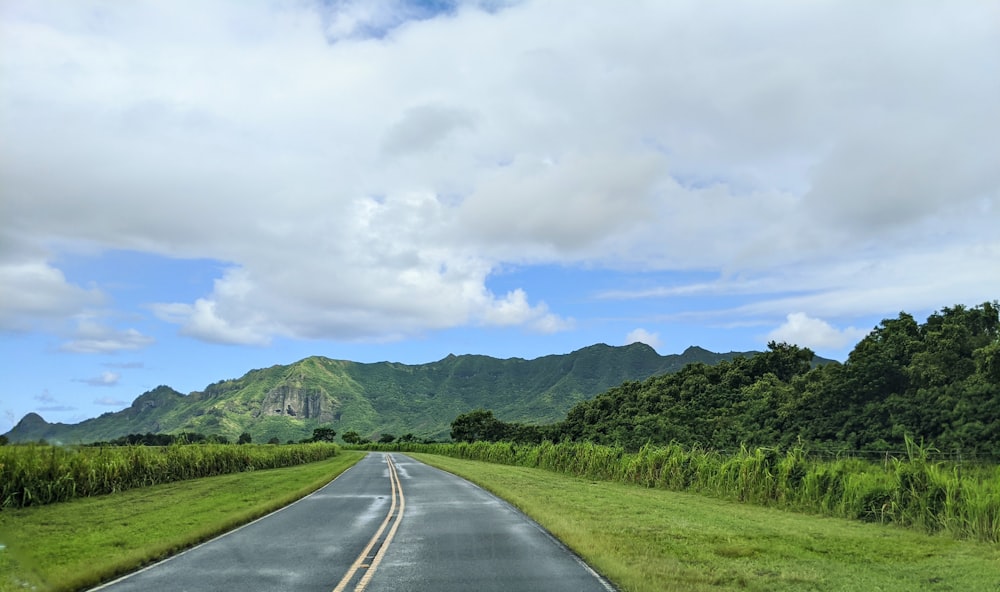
(390, 523)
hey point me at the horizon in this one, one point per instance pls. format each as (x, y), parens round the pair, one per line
(190, 190)
(450, 355)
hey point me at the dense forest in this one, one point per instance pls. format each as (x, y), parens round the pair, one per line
(936, 382)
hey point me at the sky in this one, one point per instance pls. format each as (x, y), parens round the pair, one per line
(190, 190)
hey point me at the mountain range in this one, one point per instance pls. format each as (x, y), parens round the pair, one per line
(288, 402)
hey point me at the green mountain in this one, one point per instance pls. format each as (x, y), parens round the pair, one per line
(287, 402)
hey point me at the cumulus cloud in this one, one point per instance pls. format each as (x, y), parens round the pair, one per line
(33, 292)
(641, 335)
(92, 337)
(360, 177)
(104, 379)
(424, 127)
(805, 331)
(514, 309)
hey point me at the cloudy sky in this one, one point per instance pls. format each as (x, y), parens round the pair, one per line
(189, 190)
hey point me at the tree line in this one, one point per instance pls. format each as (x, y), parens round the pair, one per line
(320, 434)
(937, 382)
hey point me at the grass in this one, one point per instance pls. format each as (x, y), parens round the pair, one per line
(35, 475)
(961, 500)
(647, 539)
(80, 543)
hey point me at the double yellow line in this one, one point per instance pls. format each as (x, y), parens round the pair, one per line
(366, 560)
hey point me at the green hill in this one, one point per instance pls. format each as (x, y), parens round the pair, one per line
(937, 382)
(287, 402)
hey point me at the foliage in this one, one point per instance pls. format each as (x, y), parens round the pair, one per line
(934, 382)
(477, 425)
(352, 437)
(909, 490)
(323, 434)
(35, 475)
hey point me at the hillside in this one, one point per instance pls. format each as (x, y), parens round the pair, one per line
(937, 382)
(287, 402)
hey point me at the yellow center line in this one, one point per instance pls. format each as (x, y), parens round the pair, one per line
(360, 562)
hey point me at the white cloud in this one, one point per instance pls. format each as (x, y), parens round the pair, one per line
(802, 330)
(641, 335)
(365, 188)
(33, 292)
(92, 337)
(514, 309)
(104, 379)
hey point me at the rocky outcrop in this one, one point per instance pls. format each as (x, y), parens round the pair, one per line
(298, 403)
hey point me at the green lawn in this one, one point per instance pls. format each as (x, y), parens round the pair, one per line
(79, 543)
(655, 540)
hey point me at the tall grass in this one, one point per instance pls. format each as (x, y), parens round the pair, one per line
(34, 475)
(909, 490)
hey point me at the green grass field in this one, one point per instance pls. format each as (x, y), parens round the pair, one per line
(79, 543)
(656, 540)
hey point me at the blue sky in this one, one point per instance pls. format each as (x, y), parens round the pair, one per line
(192, 190)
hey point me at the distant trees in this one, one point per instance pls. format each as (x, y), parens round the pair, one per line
(353, 437)
(477, 425)
(938, 381)
(482, 425)
(323, 434)
(244, 438)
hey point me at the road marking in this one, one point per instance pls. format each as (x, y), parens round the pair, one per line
(364, 561)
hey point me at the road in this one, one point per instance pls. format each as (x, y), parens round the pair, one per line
(389, 523)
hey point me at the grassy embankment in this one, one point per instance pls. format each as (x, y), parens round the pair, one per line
(78, 543)
(912, 491)
(654, 540)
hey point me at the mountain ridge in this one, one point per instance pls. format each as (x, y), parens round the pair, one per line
(288, 401)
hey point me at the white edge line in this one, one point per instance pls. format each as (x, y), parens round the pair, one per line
(217, 537)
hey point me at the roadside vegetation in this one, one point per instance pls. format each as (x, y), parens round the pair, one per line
(653, 540)
(40, 474)
(80, 543)
(912, 491)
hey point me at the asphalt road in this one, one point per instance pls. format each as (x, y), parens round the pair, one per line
(390, 523)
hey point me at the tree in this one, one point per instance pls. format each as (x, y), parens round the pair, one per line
(244, 438)
(323, 434)
(988, 361)
(387, 439)
(477, 425)
(274, 440)
(4, 441)
(352, 437)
